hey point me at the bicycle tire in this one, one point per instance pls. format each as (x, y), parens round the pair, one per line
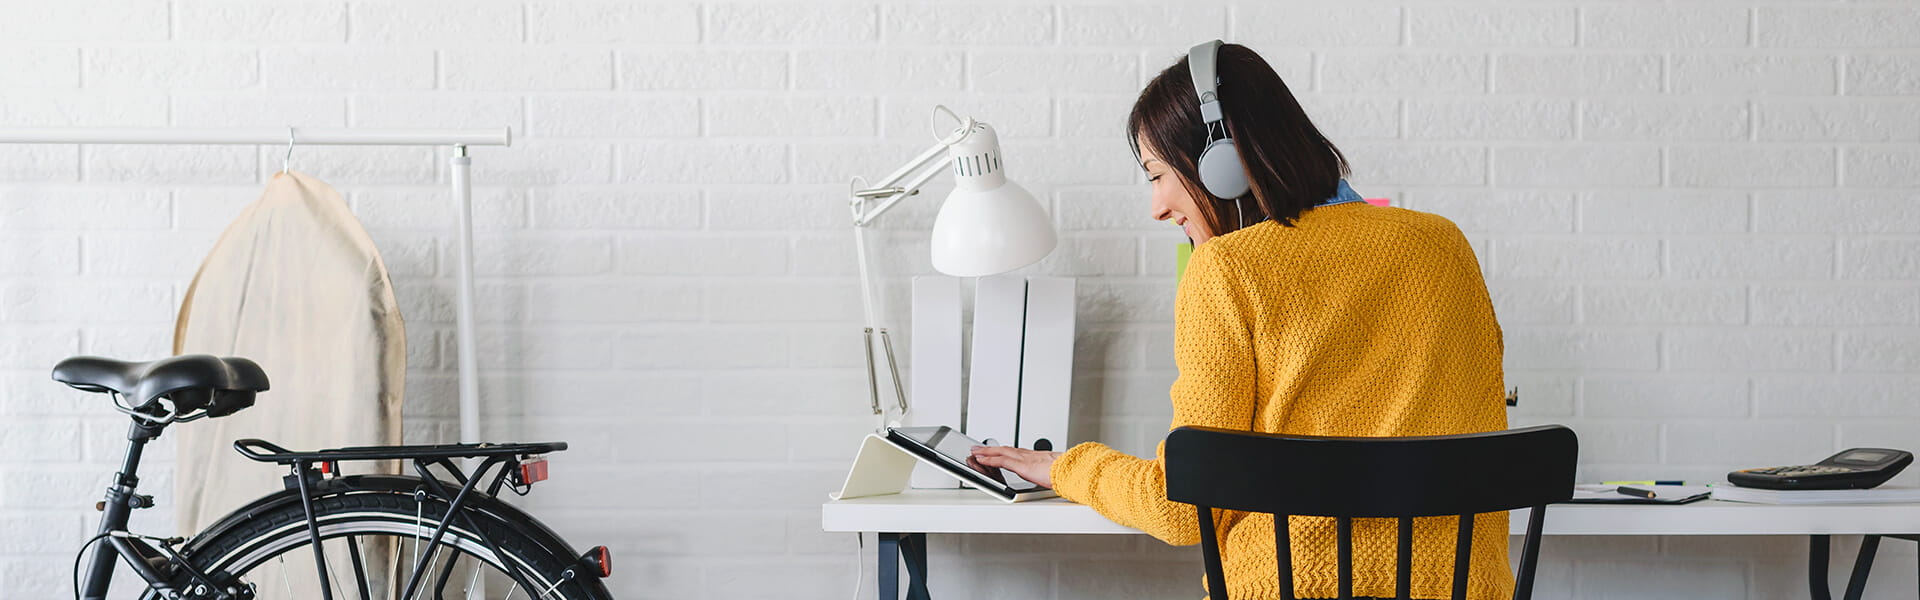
(386, 505)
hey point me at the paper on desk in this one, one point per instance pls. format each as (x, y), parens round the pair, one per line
(1590, 492)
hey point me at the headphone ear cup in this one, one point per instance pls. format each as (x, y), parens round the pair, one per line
(1220, 170)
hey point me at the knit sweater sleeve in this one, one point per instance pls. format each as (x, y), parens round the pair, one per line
(1213, 348)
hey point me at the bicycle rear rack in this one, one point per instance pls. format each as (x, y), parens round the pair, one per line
(304, 479)
(253, 449)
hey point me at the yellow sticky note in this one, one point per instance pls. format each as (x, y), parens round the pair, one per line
(1182, 252)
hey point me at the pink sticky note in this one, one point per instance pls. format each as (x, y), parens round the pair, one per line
(1377, 201)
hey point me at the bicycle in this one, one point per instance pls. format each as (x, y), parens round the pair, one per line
(405, 522)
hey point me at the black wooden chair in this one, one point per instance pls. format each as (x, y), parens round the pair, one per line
(1348, 478)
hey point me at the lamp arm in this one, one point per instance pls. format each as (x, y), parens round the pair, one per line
(888, 188)
(897, 194)
(918, 162)
(860, 204)
(888, 192)
(867, 302)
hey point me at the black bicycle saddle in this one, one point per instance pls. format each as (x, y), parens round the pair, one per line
(192, 381)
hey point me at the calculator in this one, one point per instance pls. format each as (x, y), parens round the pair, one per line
(1855, 469)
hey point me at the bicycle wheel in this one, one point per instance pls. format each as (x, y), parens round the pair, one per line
(375, 530)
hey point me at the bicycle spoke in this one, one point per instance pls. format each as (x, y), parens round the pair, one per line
(511, 590)
(434, 560)
(283, 576)
(472, 582)
(393, 574)
(332, 578)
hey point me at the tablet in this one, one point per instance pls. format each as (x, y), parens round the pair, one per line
(952, 452)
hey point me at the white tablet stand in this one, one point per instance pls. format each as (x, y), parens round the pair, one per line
(883, 467)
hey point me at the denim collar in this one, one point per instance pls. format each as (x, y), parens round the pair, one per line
(1342, 195)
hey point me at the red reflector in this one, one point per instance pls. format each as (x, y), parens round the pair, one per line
(600, 557)
(326, 468)
(532, 471)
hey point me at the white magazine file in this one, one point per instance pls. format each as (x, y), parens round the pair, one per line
(993, 383)
(935, 373)
(1046, 364)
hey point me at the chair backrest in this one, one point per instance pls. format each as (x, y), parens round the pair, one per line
(1356, 477)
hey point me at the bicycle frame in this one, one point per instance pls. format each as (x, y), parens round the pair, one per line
(118, 508)
(170, 575)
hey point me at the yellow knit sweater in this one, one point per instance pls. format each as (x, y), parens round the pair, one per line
(1357, 321)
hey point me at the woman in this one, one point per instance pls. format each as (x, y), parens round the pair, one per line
(1302, 311)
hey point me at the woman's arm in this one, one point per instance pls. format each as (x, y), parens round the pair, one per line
(1213, 348)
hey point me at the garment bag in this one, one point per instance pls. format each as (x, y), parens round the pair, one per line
(296, 285)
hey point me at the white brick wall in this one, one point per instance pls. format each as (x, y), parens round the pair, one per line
(1700, 225)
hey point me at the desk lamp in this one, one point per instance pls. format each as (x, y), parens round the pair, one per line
(987, 226)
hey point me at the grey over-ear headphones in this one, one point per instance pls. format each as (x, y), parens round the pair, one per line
(1220, 170)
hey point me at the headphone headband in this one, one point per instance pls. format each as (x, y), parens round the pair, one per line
(1219, 163)
(1201, 63)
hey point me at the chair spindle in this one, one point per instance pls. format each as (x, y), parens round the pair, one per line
(1530, 553)
(1283, 552)
(1462, 557)
(1210, 550)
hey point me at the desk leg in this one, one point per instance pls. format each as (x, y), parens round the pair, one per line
(1857, 583)
(1817, 567)
(1862, 566)
(912, 547)
(890, 566)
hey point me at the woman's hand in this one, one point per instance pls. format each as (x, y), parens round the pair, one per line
(1031, 465)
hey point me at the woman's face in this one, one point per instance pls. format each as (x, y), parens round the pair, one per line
(1171, 200)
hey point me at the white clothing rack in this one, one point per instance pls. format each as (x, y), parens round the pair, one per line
(261, 137)
(459, 164)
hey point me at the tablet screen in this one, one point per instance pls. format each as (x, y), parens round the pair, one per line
(958, 449)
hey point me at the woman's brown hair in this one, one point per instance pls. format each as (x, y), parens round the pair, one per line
(1290, 165)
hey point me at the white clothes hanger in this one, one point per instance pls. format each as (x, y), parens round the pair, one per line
(286, 165)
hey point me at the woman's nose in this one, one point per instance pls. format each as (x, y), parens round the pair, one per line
(1160, 211)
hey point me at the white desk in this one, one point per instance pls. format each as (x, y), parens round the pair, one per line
(919, 512)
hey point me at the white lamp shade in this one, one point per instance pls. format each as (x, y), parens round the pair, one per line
(988, 225)
(987, 232)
